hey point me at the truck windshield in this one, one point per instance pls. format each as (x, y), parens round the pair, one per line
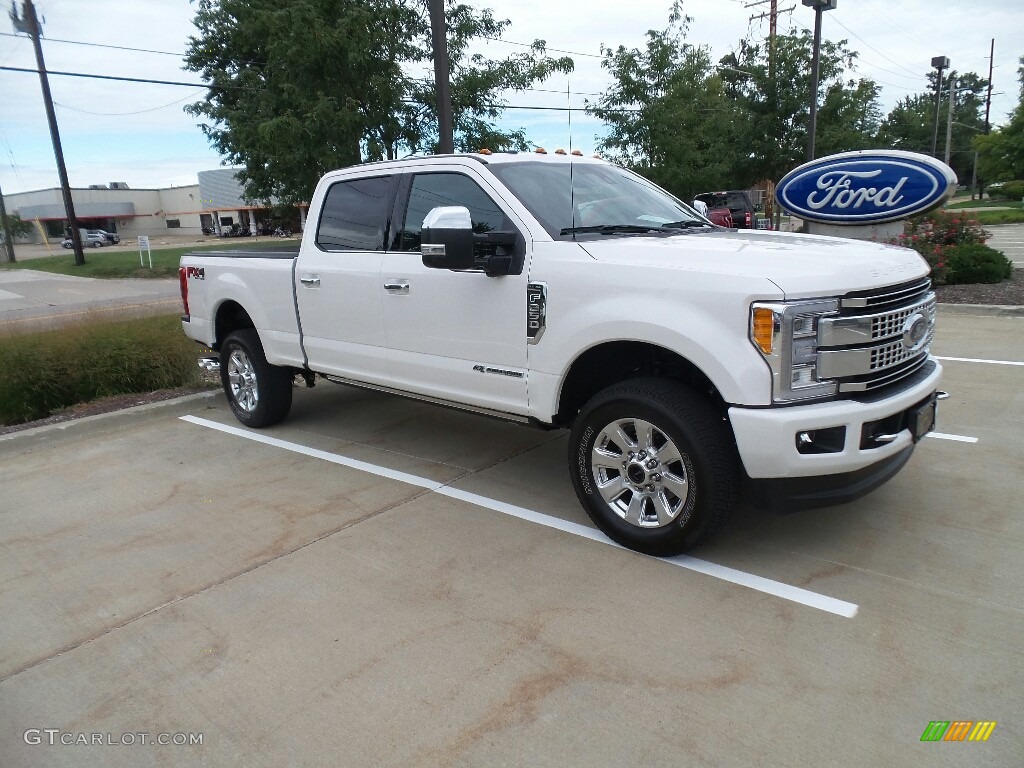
(599, 200)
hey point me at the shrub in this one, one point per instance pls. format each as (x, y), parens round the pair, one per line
(933, 234)
(1011, 190)
(43, 372)
(976, 264)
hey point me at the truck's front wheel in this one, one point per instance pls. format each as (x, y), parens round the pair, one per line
(260, 394)
(653, 465)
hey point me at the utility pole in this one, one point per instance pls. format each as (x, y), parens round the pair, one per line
(988, 107)
(30, 23)
(439, 33)
(949, 120)
(940, 63)
(8, 235)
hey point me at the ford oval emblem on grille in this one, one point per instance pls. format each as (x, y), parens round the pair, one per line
(915, 332)
(868, 187)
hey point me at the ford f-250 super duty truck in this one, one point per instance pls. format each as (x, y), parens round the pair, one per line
(690, 362)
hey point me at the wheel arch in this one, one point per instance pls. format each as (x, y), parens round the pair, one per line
(230, 317)
(612, 362)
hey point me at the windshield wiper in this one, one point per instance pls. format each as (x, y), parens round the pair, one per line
(685, 224)
(608, 229)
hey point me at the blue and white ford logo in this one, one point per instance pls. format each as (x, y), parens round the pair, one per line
(867, 187)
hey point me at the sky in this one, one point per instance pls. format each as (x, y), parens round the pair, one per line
(140, 134)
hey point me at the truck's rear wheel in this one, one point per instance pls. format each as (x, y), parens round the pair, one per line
(260, 394)
(653, 465)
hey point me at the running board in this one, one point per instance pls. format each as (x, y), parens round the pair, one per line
(502, 415)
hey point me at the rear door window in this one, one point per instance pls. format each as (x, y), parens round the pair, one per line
(355, 215)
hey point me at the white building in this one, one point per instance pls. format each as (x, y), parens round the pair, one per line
(215, 203)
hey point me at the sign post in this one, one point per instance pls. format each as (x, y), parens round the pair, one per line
(144, 245)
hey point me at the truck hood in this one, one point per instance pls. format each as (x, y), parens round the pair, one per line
(800, 265)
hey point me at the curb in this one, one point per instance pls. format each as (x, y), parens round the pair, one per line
(989, 310)
(184, 402)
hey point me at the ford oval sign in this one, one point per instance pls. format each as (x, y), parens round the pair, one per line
(869, 187)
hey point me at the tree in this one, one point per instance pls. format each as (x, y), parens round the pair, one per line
(1001, 153)
(667, 114)
(911, 123)
(777, 111)
(19, 228)
(300, 87)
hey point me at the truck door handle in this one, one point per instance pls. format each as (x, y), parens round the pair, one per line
(397, 286)
(311, 280)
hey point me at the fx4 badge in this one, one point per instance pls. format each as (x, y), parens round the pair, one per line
(536, 311)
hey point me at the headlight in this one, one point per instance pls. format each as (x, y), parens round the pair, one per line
(786, 335)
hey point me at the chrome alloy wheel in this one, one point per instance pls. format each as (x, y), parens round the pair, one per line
(640, 473)
(242, 376)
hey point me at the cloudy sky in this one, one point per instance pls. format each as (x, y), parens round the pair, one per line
(139, 133)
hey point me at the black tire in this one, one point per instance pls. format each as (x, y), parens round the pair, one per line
(260, 394)
(95, 244)
(674, 503)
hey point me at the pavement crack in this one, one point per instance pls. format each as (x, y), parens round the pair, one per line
(72, 646)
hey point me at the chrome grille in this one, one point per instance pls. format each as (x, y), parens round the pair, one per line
(904, 293)
(863, 347)
(861, 329)
(894, 353)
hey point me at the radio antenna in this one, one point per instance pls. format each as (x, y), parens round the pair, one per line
(572, 188)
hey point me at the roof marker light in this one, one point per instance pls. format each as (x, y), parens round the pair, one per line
(559, 151)
(577, 153)
(484, 151)
(540, 151)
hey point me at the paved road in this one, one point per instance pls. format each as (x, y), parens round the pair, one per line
(34, 300)
(1009, 238)
(345, 595)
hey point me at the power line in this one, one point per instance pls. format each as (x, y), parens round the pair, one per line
(530, 45)
(123, 114)
(869, 45)
(204, 86)
(101, 45)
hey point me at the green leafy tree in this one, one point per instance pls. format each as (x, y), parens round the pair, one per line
(667, 114)
(300, 87)
(19, 228)
(773, 89)
(910, 125)
(1001, 153)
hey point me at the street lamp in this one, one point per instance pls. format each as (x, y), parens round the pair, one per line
(818, 6)
(939, 63)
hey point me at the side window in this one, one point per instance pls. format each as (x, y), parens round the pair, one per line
(430, 190)
(355, 215)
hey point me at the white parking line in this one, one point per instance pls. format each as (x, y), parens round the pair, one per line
(957, 438)
(975, 360)
(731, 575)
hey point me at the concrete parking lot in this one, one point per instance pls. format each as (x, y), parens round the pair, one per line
(1009, 238)
(380, 582)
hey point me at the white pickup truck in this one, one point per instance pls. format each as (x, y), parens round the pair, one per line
(691, 363)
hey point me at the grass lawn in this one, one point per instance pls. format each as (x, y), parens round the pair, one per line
(986, 204)
(998, 217)
(102, 262)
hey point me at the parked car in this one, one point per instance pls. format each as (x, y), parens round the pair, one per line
(89, 240)
(112, 238)
(688, 361)
(739, 205)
